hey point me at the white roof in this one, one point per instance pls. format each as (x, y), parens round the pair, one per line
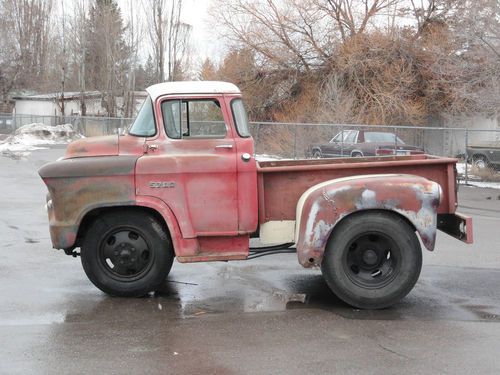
(192, 87)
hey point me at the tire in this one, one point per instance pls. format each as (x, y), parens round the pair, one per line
(372, 260)
(356, 155)
(126, 254)
(480, 162)
(317, 154)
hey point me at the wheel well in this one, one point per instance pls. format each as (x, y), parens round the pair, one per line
(356, 152)
(357, 213)
(479, 155)
(93, 214)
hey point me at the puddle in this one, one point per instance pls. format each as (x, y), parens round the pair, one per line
(276, 301)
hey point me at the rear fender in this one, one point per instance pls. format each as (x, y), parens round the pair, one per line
(324, 205)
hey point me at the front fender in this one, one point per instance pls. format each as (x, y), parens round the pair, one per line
(324, 205)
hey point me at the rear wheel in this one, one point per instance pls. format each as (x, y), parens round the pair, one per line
(480, 162)
(373, 260)
(317, 154)
(126, 254)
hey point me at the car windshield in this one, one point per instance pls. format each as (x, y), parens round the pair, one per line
(144, 124)
(380, 137)
(348, 135)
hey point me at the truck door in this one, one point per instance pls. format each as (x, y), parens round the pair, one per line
(195, 168)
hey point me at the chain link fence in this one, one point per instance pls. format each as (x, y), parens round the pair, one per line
(88, 126)
(480, 147)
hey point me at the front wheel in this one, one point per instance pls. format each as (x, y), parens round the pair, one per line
(126, 254)
(372, 260)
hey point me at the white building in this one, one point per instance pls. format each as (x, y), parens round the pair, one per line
(51, 104)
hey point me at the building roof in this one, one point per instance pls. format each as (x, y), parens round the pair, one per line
(192, 87)
(68, 95)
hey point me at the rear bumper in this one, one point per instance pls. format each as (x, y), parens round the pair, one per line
(456, 225)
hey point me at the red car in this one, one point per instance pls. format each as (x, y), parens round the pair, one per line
(358, 143)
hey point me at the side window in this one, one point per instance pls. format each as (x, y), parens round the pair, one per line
(193, 119)
(349, 138)
(171, 112)
(240, 118)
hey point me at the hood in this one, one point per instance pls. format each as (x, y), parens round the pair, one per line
(93, 146)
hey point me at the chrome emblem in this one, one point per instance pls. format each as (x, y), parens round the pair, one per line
(161, 184)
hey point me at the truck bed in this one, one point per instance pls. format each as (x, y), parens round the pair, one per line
(282, 182)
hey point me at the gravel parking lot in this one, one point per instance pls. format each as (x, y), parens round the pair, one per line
(262, 316)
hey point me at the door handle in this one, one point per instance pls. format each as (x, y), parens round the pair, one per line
(150, 148)
(224, 146)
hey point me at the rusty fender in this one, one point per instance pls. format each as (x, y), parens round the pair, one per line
(324, 205)
(80, 185)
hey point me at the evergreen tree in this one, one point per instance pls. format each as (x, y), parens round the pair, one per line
(106, 58)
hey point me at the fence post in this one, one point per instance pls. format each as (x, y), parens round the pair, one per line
(295, 142)
(342, 140)
(466, 156)
(256, 139)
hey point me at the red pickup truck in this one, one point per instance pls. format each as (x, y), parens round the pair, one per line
(184, 183)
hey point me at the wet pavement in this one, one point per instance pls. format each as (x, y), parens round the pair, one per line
(262, 316)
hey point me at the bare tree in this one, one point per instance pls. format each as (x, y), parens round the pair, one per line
(371, 61)
(28, 24)
(169, 37)
(134, 35)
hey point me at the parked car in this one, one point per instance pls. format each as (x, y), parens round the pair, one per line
(485, 156)
(358, 143)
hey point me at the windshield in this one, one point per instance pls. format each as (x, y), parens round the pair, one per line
(348, 135)
(380, 137)
(144, 124)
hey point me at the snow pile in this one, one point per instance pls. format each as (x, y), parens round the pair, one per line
(474, 180)
(489, 185)
(30, 137)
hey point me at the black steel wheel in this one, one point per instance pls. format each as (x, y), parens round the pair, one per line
(126, 253)
(372, 260)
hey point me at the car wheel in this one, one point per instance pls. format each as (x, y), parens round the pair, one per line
(127, 254)
(372, 260)
(317, 154)
(480, 162)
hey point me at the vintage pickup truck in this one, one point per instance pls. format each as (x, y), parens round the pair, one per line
(184, 183)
